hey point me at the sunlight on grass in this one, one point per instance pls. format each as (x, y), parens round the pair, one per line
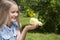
(39, 36)
(25, 20)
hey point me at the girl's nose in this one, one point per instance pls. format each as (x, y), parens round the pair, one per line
(16, 14)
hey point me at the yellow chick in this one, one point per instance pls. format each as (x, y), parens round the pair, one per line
(35, 21)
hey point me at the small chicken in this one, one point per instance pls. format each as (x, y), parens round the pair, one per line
(35, 21)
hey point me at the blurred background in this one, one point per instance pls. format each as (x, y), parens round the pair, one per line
(47, 11)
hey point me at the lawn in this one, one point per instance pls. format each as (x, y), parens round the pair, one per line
(37, 36)
(41, 36)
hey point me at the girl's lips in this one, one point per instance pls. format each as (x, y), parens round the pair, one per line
(14, 17)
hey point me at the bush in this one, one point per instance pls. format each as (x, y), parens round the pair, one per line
(30, 13)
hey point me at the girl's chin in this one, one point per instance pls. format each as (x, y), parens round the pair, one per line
(13, 20)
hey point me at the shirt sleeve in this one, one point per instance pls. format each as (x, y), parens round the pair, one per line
(1, 36)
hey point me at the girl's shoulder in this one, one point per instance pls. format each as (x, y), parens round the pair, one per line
(8, 33)
(4, 34)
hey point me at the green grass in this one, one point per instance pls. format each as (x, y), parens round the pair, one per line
(37, 36)
(24, 20)
(41, 36)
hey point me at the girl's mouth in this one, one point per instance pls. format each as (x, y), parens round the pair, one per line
(14, 17)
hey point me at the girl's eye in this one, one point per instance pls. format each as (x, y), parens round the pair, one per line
(13, 11)
(17, 11)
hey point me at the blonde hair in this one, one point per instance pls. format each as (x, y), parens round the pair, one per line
(4, 11)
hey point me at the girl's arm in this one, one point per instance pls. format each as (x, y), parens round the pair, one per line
(21, 36)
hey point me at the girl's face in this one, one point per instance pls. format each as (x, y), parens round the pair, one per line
(13, 13)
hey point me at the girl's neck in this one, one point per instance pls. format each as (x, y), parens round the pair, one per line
(9, 24)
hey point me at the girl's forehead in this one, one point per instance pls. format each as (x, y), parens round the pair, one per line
(11, 3)
(13, 7)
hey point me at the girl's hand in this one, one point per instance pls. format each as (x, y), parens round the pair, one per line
(31, 27)
(25, 30)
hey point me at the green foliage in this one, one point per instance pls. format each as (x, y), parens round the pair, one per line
(30, 13)
(48, 12)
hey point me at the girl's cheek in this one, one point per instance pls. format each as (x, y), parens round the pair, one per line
(10, 17)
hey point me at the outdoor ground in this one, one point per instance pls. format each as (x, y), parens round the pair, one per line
(40, 36)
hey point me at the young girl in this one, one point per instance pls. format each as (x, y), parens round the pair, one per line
(9, 22)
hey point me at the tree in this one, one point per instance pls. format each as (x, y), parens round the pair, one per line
(49, 12)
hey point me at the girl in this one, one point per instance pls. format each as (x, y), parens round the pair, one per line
(10, 28)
